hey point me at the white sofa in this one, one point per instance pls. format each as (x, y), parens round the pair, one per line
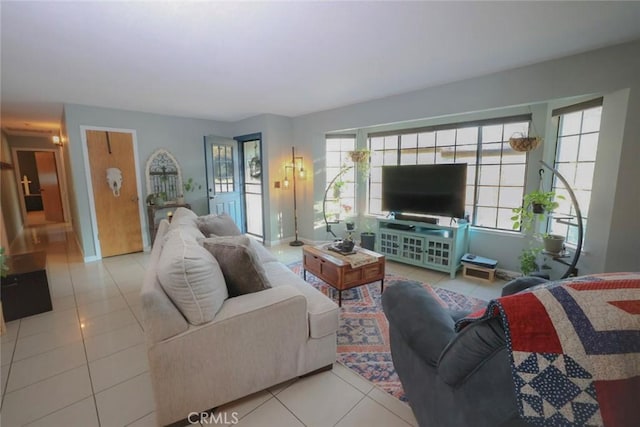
(255, 341)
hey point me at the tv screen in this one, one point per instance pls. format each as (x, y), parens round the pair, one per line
(425, 189)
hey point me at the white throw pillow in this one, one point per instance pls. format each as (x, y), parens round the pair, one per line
(192, 278)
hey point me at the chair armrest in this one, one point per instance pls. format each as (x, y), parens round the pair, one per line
(520, 284)
(472, 347)
(420, 319)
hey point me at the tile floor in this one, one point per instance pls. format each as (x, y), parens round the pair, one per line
(84, 363)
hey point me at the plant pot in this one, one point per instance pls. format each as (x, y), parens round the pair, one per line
(368, 240)
(553, 243)
(537, 208)
(524, 144)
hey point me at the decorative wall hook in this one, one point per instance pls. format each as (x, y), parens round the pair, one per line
(114, 179)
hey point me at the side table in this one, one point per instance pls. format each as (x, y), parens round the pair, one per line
(25, 290)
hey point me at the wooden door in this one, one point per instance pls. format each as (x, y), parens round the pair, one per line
(223, 178)
(117, 213)
(49, 186)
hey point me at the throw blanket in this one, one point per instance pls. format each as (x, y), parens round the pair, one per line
(356, 260)
(575, 349)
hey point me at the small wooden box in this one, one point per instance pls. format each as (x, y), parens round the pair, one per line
(471, 271)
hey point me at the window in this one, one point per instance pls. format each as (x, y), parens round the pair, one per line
(341, 197)
(576, 147)
(495, 172)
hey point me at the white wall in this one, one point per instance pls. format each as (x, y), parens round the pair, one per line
(605, 71)
(613, 239)
(183, 137)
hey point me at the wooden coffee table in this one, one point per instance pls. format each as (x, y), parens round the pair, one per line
(338, 272)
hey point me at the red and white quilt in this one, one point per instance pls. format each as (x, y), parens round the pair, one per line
(575, 349)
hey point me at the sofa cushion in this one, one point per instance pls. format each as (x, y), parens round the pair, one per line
(220, 225)
(263, 253)
(323, 312)
(191, 277)
(240, 264)
(185, 220)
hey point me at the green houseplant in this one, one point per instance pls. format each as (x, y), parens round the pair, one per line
(535, 204)
(4, 268)
(190, 186)
(528, 260)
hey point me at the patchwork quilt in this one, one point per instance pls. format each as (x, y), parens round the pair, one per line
(575, 349)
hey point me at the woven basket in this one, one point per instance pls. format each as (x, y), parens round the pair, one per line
(358, 156)
(524, 144)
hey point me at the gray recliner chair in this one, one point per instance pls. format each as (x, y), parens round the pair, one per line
(451, 379)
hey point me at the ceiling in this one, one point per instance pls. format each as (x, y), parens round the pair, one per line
(232, 60)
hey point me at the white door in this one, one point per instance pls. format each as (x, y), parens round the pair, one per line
(223, 178)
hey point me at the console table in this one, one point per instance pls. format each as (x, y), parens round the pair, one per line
(152, 221)
(433, 246)
(25, 290)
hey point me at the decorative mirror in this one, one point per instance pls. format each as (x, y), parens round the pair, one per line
(164, 177)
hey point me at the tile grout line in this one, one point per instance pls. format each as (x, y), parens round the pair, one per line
(84, 345)
(288, 409)
(138, 419)
(125, 299)
(15, 345)
(364, 396)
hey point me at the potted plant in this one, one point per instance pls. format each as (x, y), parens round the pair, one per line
(553, 243)
(368, 237)
(4, 269)
(360, 158)
(528, 260)
(535, 203)
(337, 189)
(523, 143)
(189, 186)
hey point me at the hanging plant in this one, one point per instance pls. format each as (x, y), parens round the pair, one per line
(520, 142)
(535, 203)
(337, 189)
(360, 158)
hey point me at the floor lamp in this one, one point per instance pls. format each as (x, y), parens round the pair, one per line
(292, 166)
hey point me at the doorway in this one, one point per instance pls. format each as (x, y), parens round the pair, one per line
(38, 176)
(114, 187)
(251, 151)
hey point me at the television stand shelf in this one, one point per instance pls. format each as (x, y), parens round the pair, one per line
(433, 246)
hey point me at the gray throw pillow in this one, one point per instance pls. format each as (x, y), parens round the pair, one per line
(242, 269)
(192, 278)
(220, 225)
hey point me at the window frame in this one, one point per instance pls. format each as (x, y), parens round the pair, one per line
(353, 193)
(566, 226)
(475, 165)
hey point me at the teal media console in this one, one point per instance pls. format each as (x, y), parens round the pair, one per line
(433, 246)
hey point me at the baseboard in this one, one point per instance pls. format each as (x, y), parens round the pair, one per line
(503, 274)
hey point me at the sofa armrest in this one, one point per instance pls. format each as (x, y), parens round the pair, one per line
(420, 319)
(264, 303)
(255, 341)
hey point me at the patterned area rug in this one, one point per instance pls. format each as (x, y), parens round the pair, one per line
(363, 336)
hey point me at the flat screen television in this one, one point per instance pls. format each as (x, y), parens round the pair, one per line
(425, 189)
